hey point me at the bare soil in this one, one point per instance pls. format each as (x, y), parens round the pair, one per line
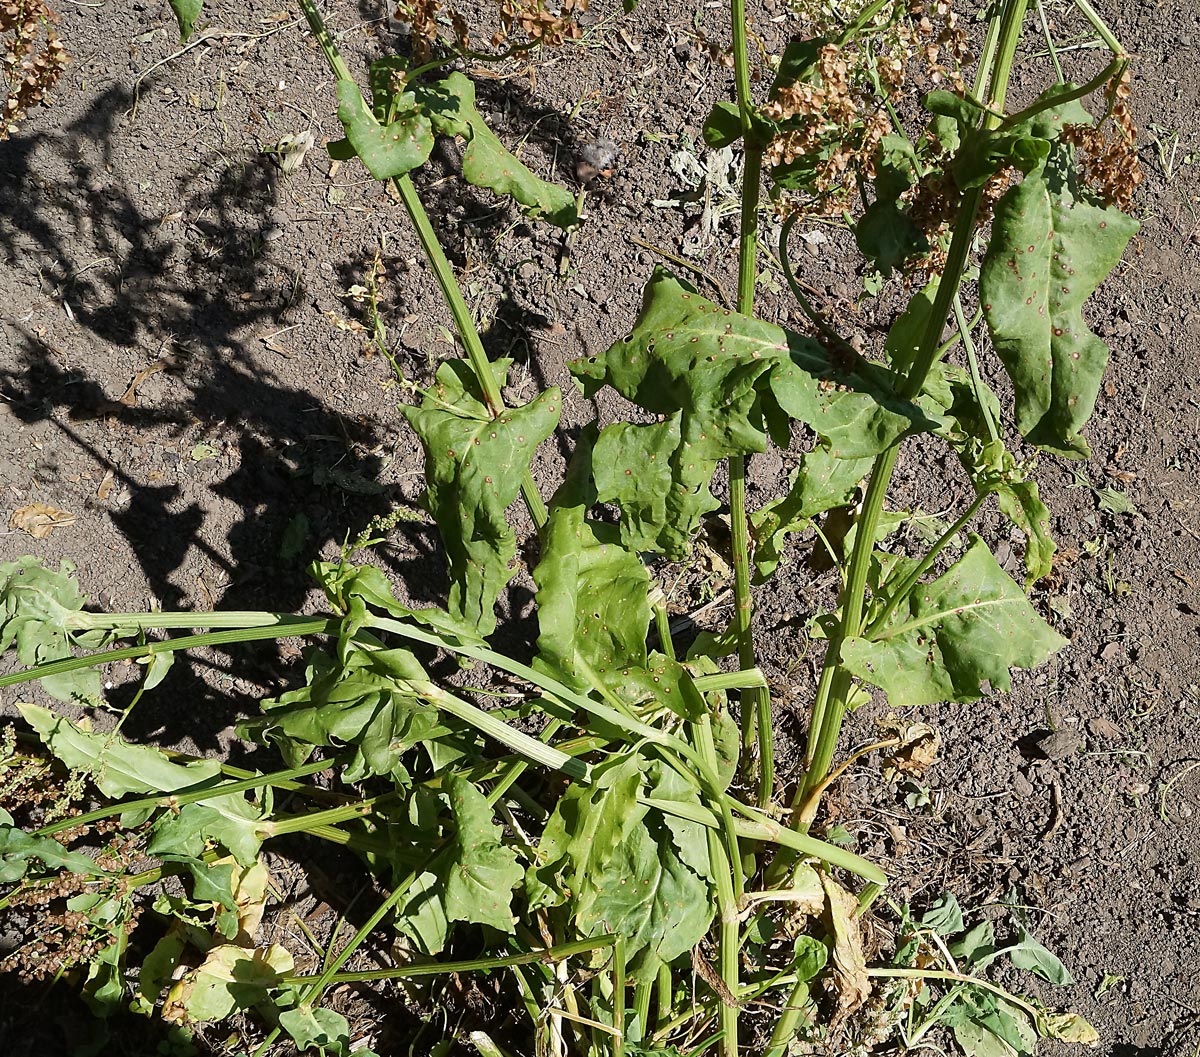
(172, 374)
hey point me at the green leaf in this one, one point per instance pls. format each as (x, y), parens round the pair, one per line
(231, 821)
(36, 605)
(474, 466)
(593, 608)
(422, 917)
(386, 150)
(318, 1027)
(113, 764)
(822, 482)
(976, 945)
(17, 847)
(723, 126)
(450, 106)
(186, 13)
(1051, 246)
(944, 916)
(717, 379)
(1030, 954)
(941, 643)
(156, 970)
(360, 702)
(483, 872)
(993, 468)
(230, 978)
(622, 870)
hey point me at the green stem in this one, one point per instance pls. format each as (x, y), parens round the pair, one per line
(181, 798)
(756, 705)
(300, 628)
(463, 321)
(412, 972)
(835, 684)
(964, 331)
(1101, 28)
(1041, 13)
(465, 325)
(904, 588)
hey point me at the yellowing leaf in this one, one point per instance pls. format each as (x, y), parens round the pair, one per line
(39, 519)
(850, 979)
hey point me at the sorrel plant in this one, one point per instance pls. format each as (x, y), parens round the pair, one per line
(599, 861)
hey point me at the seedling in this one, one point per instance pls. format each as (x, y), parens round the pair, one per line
(615, 843)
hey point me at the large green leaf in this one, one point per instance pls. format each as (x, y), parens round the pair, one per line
(483, 872)
(623, 869)
(1052, 244)
(359, 702)
(36, 604)
(593, 607)
(474, 465)
(719, 380)
(113, 764)
(390, 149)
(970, 625)
(450, 106)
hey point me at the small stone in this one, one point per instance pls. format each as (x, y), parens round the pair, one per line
(1057, 744)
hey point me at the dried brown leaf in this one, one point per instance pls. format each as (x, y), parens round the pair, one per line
(39, 519)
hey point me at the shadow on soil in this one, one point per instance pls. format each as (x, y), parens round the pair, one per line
(192, 291)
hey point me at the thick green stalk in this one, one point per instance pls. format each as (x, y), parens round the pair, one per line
(834, 688)
(412, 972)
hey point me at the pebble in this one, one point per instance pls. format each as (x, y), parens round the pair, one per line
(1058, 744)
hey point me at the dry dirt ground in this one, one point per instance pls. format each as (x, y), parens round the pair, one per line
(171, 373)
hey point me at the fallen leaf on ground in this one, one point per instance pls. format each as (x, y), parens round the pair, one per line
(39, 520)
(105, 487)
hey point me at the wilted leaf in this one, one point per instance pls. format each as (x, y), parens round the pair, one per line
(450, 105)
(39, 520)
(229, 978)
(474, 465)
(116, 766)
(1068, 1027)
(941, 643)
(918, 748)
(851, 984)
